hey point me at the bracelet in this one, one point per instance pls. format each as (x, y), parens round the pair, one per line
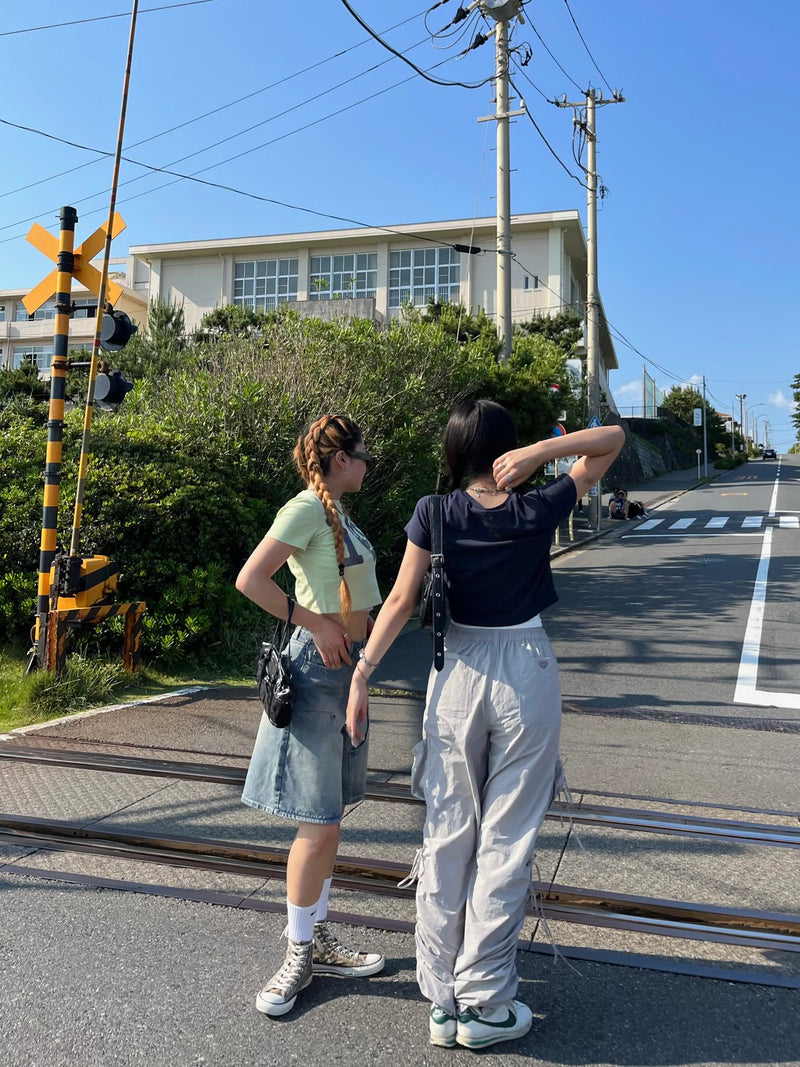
(369, 663)
(364, 676)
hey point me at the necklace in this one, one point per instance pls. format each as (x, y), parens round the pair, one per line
(479, 489)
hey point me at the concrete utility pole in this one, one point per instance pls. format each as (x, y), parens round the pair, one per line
(588, 125)
(503, 13)
(705, 431)
(741, 397)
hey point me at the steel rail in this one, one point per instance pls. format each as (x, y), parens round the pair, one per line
(564, 903)
(632, 819)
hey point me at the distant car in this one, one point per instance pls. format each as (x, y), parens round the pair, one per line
(769, 453)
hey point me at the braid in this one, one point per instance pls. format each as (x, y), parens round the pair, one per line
(312, 455)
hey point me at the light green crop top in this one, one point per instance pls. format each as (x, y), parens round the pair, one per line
(302, 523)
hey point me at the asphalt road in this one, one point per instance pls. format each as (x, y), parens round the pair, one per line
(690, 619)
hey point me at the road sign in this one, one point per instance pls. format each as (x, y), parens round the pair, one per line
(594, 422)
(83, 270)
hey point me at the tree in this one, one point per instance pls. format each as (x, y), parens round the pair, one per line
(159, 347)
(682, 400)
(796, 413)
(564, 329)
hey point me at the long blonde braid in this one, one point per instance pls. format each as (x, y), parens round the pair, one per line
(312, 454)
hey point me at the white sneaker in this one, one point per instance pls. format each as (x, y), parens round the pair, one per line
(441, 1027)
(479, 1027)
(279, 994)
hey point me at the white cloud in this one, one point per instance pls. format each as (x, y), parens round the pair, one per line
(778, 400)
(629, 391)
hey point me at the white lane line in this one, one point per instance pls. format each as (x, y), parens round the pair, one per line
(774, 502)
(717, 523)
(746, 691)
(682, 524)
(752, 522)
(694, 533)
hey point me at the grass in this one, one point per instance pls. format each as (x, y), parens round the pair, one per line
(86, 684)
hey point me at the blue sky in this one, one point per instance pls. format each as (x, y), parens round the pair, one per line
(697, 235)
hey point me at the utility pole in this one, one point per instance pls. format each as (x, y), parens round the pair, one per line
(503, 11)
(741, 397)
(705, 431)
(588, 126)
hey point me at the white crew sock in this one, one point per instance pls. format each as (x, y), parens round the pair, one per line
(322, 903)
(300, 922)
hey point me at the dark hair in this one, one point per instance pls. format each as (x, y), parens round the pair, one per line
(478, 431)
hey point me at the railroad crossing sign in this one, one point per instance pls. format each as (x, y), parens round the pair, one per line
(83, 270)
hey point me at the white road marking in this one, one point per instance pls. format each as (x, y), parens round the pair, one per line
(682, 524)
(752, 522)
(649, 524)
(746, 691)
(790, 522)
(717, 522)
(774, 502)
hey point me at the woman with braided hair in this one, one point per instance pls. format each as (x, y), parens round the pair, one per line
(310, 771)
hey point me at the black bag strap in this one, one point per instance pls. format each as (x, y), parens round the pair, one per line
(282, 628)
(437, 572)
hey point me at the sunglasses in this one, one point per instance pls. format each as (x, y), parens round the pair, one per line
(358, 455)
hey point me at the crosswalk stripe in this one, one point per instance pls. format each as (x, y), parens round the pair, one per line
(717, 522)
(649, 525)
(682, 524)
(791, 522)
(752, 521)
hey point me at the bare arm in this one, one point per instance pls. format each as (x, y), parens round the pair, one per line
(256, 582)
(394, 614)
(597, 449)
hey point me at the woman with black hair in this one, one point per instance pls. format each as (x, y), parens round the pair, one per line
(488, 762)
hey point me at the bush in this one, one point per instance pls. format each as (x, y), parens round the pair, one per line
(185, 478)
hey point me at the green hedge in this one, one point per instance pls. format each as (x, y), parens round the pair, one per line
(185, 478)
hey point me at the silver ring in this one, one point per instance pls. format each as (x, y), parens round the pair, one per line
(508, 477)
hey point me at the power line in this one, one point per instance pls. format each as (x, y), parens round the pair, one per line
(386, 45)
(564, 72)
(552, 150)
(202, 170)
(216, 110)
(265, 199)
(585, 45)
(102, 18)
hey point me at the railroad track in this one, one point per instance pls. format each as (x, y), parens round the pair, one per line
(633, 819)
(745, 928)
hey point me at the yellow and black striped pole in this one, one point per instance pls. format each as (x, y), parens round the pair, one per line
(55, 423)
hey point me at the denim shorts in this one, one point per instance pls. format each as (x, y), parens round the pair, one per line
(310, 770)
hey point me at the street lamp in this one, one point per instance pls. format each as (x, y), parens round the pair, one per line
(747, 415)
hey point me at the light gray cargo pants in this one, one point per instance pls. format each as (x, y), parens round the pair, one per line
(486, 766)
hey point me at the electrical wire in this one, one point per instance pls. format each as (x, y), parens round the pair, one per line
(256, 196)
(216, 110)
(388, 47)
(202, 170)
(102, 18)
(566, 74)
(552, 150)
(585, 45)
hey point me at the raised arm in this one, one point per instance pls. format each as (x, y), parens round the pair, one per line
(596, 448)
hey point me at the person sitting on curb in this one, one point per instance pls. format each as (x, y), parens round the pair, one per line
(618, 504)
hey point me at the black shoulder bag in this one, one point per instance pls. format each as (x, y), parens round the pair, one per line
(432, 605)
(273, 676)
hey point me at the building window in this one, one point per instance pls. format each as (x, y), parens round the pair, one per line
(46, 311)
(2, 313)
(339, 277)
(530, 283)
(262, 284)
(40, 355)
(418, 275)
(84, 309)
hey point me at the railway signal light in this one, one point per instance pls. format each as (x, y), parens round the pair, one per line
(117, 329)
(111, 388)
